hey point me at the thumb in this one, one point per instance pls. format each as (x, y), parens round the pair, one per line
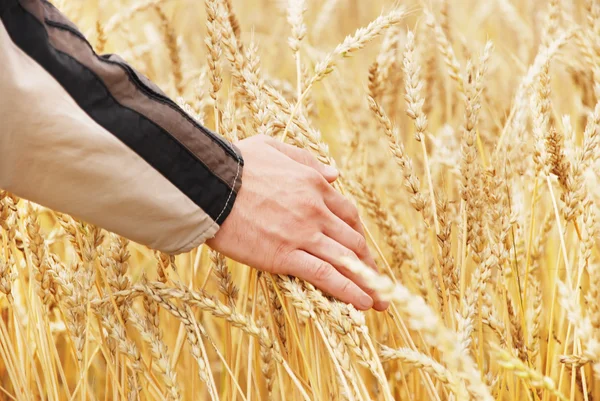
(303, 156)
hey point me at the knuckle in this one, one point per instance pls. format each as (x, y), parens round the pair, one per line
(322, 184)
(314, 239)
(361, 244)
(296, 220)
(314, 206)
(283, 258)
(348, 254)
(347, 287)
(317, 181)
(322, 271)
(353, 217)
(313, 176)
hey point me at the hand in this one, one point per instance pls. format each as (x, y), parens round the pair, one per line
(288, 219)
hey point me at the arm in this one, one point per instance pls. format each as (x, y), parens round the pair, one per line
(87, 135)
(139, 166)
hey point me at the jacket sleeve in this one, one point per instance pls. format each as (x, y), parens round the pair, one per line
(89, 136)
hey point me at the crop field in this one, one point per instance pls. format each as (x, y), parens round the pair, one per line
(467, 132)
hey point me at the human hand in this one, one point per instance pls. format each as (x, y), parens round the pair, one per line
(288, 219)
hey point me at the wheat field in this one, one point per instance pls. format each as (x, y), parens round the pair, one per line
(466, 132)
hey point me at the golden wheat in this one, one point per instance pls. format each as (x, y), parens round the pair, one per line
(483, 218)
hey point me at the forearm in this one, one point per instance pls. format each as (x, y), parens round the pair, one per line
(90, 137)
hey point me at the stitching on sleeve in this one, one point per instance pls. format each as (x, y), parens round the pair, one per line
(237, 174)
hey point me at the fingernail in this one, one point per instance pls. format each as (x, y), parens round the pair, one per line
(365, 302)
(329, 170)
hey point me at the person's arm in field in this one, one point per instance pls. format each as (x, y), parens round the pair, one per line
(87, 135)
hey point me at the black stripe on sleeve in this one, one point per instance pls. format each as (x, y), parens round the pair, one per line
(150, 141)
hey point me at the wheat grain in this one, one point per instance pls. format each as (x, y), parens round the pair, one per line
(479, 311)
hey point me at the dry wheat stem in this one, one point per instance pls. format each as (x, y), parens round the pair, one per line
(508, 212)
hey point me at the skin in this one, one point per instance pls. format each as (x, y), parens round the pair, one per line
(288, 219)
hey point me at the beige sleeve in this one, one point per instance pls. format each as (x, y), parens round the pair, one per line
(52, 153)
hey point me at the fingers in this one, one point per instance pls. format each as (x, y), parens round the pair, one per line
(332, 252)
(326, 278)
(303, 156)
(344, 209)
(338, 230)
